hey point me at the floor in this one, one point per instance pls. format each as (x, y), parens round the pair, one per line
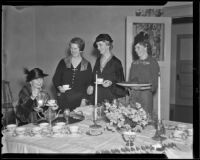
(181, 113)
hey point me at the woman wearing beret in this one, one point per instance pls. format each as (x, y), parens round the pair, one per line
(25, 110)
(109, 68)
(73, 70)
(144, 70)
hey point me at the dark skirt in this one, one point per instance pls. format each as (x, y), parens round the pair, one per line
(70, 100)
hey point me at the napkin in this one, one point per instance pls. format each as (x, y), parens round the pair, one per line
(87, 110)
(175, 154)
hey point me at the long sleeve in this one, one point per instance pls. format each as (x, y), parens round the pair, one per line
(89, 81)
(57, 78)
(118, 77)
(25, 104)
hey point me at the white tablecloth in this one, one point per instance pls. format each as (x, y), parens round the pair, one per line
(84, 143)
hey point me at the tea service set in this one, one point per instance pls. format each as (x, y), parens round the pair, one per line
(60, 129)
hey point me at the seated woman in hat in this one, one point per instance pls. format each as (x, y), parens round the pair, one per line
(25, 110)
(109, 68)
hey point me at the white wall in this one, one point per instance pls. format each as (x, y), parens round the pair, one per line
(38, 36)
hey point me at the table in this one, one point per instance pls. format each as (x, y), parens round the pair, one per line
(88, 144)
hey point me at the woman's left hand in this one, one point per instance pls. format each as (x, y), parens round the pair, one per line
(107, 83)
(83, 102)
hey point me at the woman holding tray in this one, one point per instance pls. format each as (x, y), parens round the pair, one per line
(144, 70)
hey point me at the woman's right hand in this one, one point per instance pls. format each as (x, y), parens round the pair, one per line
(35, 93)
(90, 90)
(61, 89)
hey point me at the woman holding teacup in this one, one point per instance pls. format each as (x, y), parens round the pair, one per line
(108, 69)
(27, 108)
(72, 77)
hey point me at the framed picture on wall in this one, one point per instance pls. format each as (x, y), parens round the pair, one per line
(156, 37)
(159, 31)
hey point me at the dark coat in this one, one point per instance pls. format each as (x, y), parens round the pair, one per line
(78, 78)
(112, 71)
(24, 109)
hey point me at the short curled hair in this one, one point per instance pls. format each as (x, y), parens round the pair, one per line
(141, 38)
(80, 42)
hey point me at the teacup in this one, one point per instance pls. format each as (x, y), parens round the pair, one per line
(62, 124)
(190, 131)
(20, 130)
(178, 133)
(44, 125)
(36, 130)
(57, 129)
(66, 86)
(74, 129)
(11, 127)
(182, 127)
(99, 80)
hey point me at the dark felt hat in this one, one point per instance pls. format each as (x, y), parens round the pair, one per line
(141, 37)
(34, 74)
(102, 37)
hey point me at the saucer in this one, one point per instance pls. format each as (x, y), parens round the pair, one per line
(74, 135)
(57, 135)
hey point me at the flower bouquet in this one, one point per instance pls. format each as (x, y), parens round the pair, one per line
(122, 116)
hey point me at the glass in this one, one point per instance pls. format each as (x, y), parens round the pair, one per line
(66, 114)
(129, 137)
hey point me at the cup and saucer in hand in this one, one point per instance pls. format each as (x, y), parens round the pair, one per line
(66, 87)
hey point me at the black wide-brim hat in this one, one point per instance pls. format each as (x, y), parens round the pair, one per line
(34, 74)
(102, 37)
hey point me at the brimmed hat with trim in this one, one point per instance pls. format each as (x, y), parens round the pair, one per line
(34, 74)
(102, 37)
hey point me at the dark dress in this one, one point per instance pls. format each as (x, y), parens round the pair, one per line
(145, 71)
(112, 71)
(24, 109)
(78, 78)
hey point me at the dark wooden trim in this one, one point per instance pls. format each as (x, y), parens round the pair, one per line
(182, 20)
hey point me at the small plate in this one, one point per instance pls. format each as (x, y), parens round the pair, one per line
(74, 135)
(94, 134)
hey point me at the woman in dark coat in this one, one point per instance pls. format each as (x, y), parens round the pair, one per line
(144, 70)
(73, 70)
(26, 108)
(109, 68)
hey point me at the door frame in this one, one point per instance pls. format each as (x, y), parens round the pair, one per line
(178, 67)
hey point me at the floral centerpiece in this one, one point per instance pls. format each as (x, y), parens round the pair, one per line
(129, 116)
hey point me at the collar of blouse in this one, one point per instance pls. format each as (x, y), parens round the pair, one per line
(68, 63)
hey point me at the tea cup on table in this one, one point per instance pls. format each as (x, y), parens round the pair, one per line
(44, 125)
(182, 127)
(36, 130)
(11, 128)
(20, 130)
(57, 129)
(61, 124)
(74, 129)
